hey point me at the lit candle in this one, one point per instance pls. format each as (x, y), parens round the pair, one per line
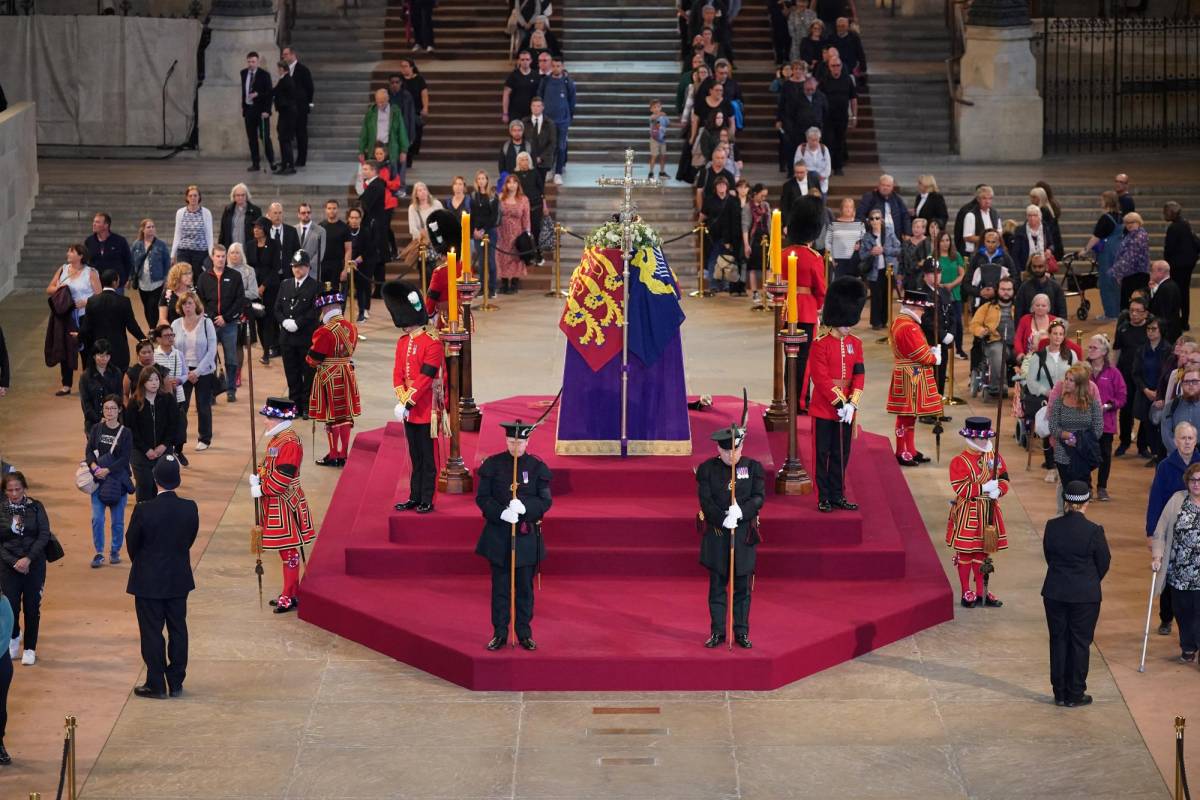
(776, 244)
(793, 312)
(466, 244)
(452, 300)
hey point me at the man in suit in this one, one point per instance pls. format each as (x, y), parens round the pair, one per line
(793, 190)
(296, 310)
(542, 135)
(302, 78)
(256, 109)
(375, 225)
(287, 242)
(1166, 300)
(287, 102)
(109, 315)
(159, 540)
(310, 234)
(1077, 560)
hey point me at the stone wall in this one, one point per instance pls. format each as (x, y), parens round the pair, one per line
(18, 185)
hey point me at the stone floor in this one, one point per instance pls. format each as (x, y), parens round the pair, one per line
(276, 708)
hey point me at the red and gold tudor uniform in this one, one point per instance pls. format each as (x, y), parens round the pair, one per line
(417, 378)
(285, 518)
(838, 375)
(978, 478)
(334, 399)
(913, 391)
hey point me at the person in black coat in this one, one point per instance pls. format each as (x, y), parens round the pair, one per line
(501, 512)
(263, 255)
(930, 205)
(296, 310)
(723, 519)
(161, 533)
(1181, 248)
(250, 213)
(5, 371)
(374, 224)
(1166, 300)
(24, 535)
(302, 77)
(723, 218)
(98, 381)
(1077, 559)
(109, 315)
(152, 415)
(256, 108)
(287, 109)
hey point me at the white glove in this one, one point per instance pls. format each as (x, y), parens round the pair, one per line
(730, 522)
(994, 494)
(255, 487)
(991, 486)
(290, 325)
(258, 307)
(948, 338)
(516, 505)
(937, 355)
(509, 516)
(846, 413)
(400, 412)
(254, 479)
(735, 511)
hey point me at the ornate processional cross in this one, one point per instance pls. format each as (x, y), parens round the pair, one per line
(628, 183)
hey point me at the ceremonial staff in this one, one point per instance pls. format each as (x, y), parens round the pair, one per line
(736, 432)
(255, 532)
(991, 536)
(937, 340)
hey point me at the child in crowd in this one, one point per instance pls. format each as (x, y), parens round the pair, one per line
(659, 124)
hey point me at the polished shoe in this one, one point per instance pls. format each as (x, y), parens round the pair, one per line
(151, 693)
(1082, 700)
(496, 642)
(329, 462)
(991, 601)
(743, 641)
(969, 600)
(716, 640)
(907, 462)
(5, 758)
(253, 168)
(176, 692)
(287, 171)
(290, 607)
(1102, 494)
(265, 360)
(1059, 701)
(182, 459)
(425, 508)
(1145, 453)
(926, 420)
(231, 397)
(407, 505)
(845, 505)
(824, 506)
(921, 458)
(1120, 451)
(528, 644)
(1164, 630)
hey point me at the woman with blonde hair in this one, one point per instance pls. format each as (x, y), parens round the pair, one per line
(930, 204)
(1039, 198)
(423, 204)
(1076, 424)
(193, 241)
(196, 339)
(151, 260)
(1131, 270)
(180, 283)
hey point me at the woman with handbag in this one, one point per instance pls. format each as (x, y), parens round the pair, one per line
(153, 418)
(533, 184)
(1041, 371)
(24, 537)
(83, 282)
(196, 339)
(107, 457)
(1076, 422)
(514, 222)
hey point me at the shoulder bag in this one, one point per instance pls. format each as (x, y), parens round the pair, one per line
(85, 481)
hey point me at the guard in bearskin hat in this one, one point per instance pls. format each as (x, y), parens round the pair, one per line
(804, 226)
(286, 521)
(913, 392)
(417, 378)
(835, 366)
(334, 398)
(978, 478)
(445, 234)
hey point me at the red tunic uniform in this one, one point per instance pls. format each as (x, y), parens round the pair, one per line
(420, 363)
(838, 375)
(286, 521)
(913, 391)
(969, 470)
(334, 399)
(439, 290)
(810, 281)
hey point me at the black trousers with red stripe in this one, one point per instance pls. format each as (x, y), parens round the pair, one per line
(423, 480)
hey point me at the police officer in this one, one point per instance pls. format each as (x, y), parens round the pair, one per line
(724, 519)
(1077, 559)
(513, 494)
(161, 533)
(296, 310)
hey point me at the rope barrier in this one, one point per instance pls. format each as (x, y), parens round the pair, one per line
(62, 767)
(1182, 792)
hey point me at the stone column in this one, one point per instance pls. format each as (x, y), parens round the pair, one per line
(999, 78)
(237, 27)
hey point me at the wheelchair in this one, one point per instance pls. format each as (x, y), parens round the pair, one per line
(981, 368)
(1079, 274)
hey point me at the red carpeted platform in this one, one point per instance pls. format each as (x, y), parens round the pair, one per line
(623, 600)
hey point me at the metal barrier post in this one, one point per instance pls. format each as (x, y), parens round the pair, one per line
(700, 292)
(487, 304)
(557, 290)
(1181, 792)
(422, 255)
(71, 787)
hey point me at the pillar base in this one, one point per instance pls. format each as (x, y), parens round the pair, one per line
(792, 479)
(455, 478)
(469, 415)
(775, 418)
(999, 79)
(219, 99)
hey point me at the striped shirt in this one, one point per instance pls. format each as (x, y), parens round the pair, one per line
(843, 237)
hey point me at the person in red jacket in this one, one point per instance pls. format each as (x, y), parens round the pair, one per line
(913, 392)
(334, 399)
(285, 518)
(978, 478)
(417, 378)
(835, 365)
(804, 226)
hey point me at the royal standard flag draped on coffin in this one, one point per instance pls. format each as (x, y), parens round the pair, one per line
(592, 318)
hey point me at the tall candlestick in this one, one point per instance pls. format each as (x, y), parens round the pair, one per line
(466, 244)
(793, 315)
(452, 299)
(776, 244)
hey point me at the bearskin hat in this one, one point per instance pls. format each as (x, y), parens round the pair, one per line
(445, 231)
(806, 220)
(844, 302)
(404, 303)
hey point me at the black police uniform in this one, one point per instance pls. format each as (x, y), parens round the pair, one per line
(1077, 559)
(494, 480)
(713, 477)
(298, 303)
